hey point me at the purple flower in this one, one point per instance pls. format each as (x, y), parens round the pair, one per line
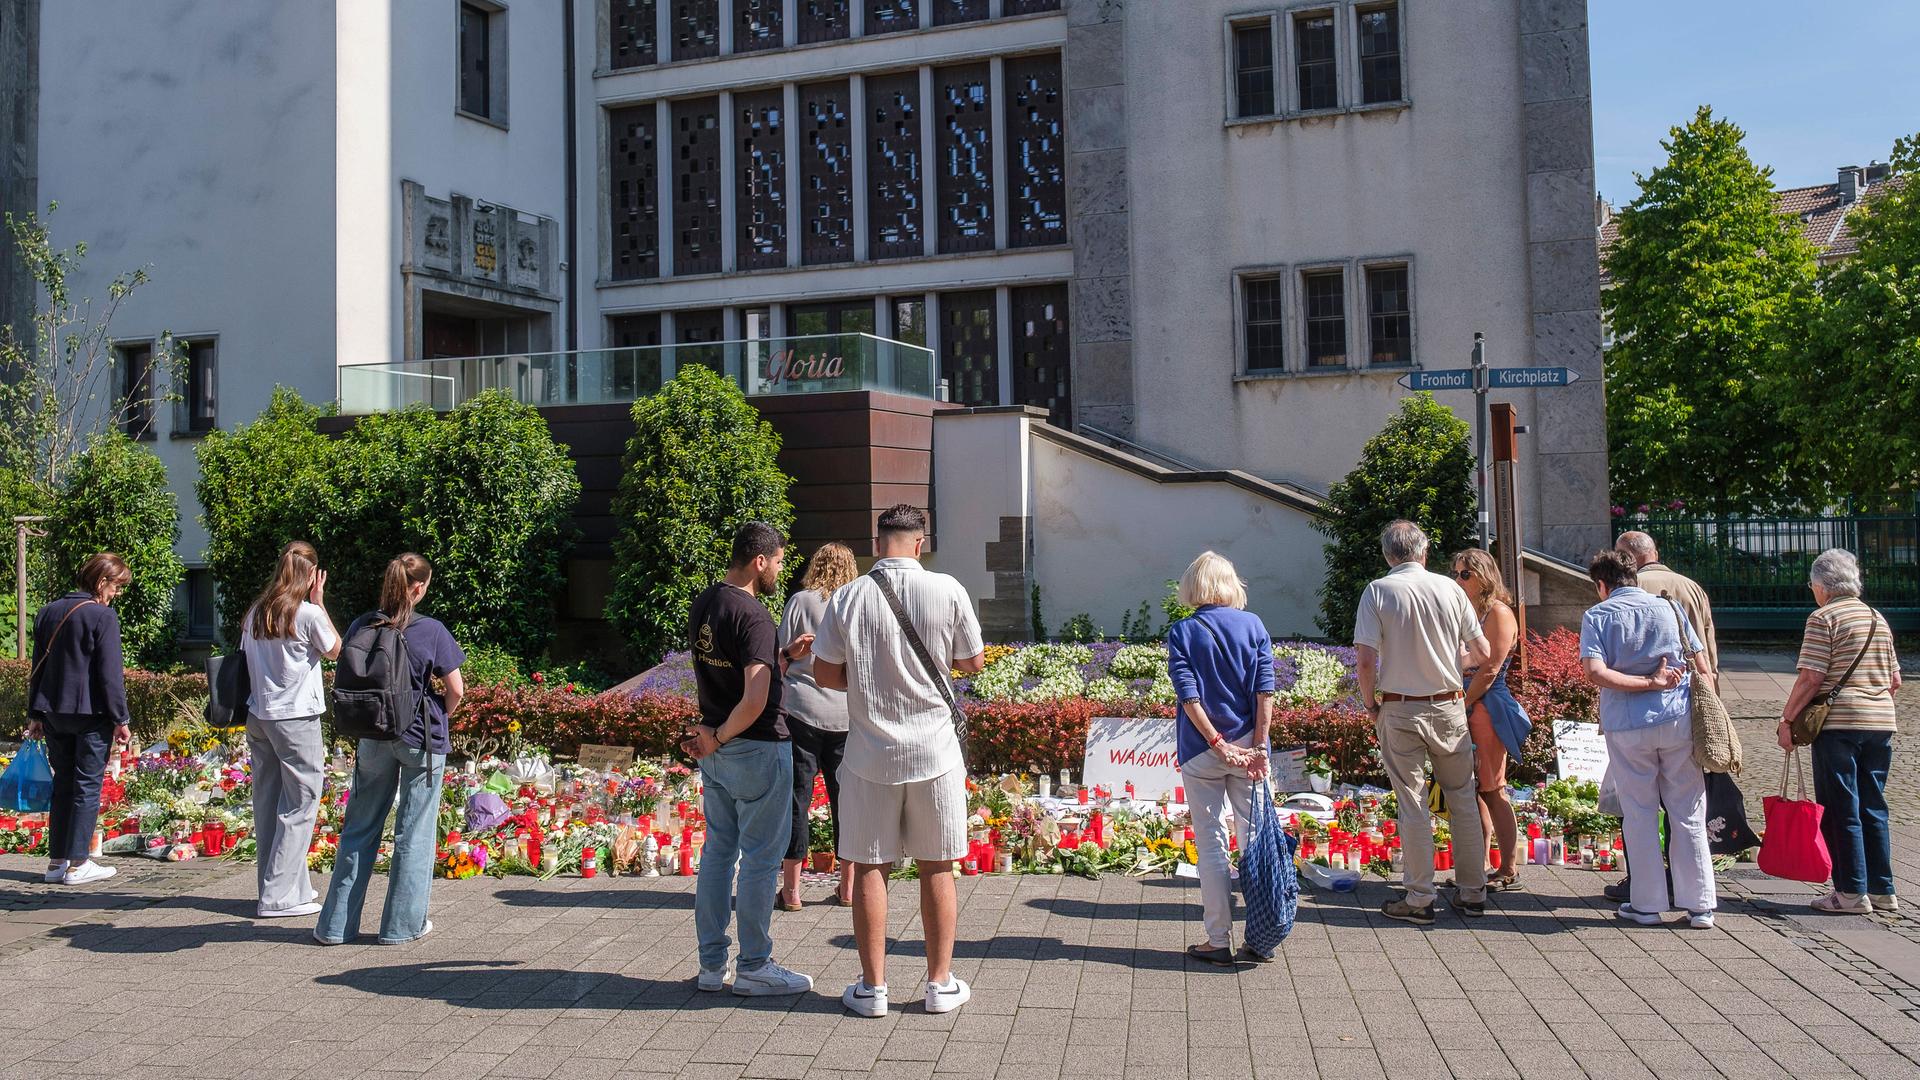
(1641, 509)
(1617, 511)
(1677, 504)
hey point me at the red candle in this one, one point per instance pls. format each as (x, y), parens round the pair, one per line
(1069, 840)
(589, 862)
(1083, 796)
(1129, 790)
(1189, 835)
(1099, 828)
(1389, 827)
(1493, 857)
(686, 852)
(1533, 830)
(1180, 795)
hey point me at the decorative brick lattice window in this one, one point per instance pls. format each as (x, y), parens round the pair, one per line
(969, 356)
(826, 174)
(1042, 364)
(894, 227)
(824, 20)
(633, 184)
(890, 16)
(761, 188)
(757, 25)
(954, 12)
(633, 35)
(964, 141)
(1036, 152)
(696, 186)
(696, 29)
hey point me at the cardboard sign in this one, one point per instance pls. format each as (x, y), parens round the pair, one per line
(1131, 749)
(600, 758)
(1289, 770)
(1582, 749)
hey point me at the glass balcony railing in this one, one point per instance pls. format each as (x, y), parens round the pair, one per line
(764, 367)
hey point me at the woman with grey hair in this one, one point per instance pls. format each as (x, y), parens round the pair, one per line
(1847, 658)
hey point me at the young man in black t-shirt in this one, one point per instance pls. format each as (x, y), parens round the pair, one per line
(746, 765)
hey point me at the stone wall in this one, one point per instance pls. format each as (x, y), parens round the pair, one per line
(1101, 297)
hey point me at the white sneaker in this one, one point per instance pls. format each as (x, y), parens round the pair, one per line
(770, 980)
(863, 1000)
(86, 873)
(711, 982)
(1700, 920)
(56, 870)
(949, 997)
(1888, 903)
(1644, 918)
(293, 912)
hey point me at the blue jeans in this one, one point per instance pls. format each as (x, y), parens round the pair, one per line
(1850, 783)
(748, 800)
(384, 769)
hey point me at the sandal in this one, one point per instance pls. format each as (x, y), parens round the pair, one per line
(1208, 954)
(1504, 883)
(786, 905)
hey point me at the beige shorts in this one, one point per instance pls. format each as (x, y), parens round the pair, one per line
(924, 820)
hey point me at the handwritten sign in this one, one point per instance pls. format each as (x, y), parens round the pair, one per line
(1582, 749)
(1132, 749)
(598, 758)
(1289, 767)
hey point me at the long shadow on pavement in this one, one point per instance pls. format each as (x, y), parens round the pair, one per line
(633, 899)
(507, 985)
(110, 939)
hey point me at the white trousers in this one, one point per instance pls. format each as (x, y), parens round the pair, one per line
(1652, 767)
(1211, 786)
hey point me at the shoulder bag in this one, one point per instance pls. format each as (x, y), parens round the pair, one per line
(919, 648)
(1716, 745)
(1806, 727)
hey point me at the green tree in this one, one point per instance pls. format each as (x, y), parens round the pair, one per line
(701, 463)
(1854, 391)
(116, 499)
(1419, 467)
(261, 485)
(1706, 277)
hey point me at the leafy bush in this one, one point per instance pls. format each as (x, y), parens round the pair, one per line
(115, 498)
(1419, 467)
(490, 665)
(1079, 629)
(483, 492)
(650, 722)
(701, 463)
(153, 698)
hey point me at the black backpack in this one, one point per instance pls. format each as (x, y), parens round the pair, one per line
(373, 692)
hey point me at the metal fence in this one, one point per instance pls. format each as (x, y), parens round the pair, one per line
(1755, 568)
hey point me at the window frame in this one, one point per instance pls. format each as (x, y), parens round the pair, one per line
(1280, 273)
(497, 66)
(1301, 336)
(1366, 267)
(145, 418)
(1235, 24)
(1282, 20)
(183, 415)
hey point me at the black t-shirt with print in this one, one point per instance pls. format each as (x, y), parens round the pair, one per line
(728, 630)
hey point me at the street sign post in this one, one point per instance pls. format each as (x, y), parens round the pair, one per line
(1527, 378)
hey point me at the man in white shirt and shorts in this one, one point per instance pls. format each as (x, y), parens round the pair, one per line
(903, 781)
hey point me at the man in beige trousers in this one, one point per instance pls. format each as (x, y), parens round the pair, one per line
(1413, 625)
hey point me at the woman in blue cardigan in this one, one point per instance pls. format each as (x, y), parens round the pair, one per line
(1221, 662)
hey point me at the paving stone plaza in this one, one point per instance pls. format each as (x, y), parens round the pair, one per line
(166, 974)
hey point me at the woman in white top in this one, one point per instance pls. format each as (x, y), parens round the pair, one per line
(285, 635)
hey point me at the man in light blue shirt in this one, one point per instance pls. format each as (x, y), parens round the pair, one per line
(1637, 649)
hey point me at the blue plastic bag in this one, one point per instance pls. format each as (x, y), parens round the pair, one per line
(27, 785)
(1267, 879)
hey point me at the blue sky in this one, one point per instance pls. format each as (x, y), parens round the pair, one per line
(1815, 85)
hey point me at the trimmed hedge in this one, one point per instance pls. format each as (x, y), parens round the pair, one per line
(154, 698)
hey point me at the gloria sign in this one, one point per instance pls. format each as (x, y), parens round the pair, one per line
(787, 365)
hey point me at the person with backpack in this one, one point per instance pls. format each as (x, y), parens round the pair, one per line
(284, 636)
(383, 693)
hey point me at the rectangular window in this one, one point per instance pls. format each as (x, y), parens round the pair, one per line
(633, 37)
(757, 25)
(826, 174)
(136, 388)
(969, 350)
(633, 189)
(909, 319)
(1036, 152)
(697, 328)
(696, 29)
(954, 12)
(633, 362)
(893, 166)
(476, 60)
(892, 16)
(197, 599)
(1314, 62)
(1253, 70)
(761, 188)
(1029, 7)
(1263, 343)
(197, 411)
(696, 186)
(1042, 369)
(1389, 316)
(1379, 55)
(964, 140)
(1326, 305)
(824, 20)
(833, 317)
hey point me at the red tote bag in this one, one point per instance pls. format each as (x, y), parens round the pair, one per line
(1793, 847)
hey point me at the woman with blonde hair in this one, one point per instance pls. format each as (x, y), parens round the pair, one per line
(285, 635)
(407, 768)
(816, 716)
(1221, 661)
(1497, 723)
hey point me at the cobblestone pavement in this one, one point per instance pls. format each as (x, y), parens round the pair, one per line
(574, 978)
